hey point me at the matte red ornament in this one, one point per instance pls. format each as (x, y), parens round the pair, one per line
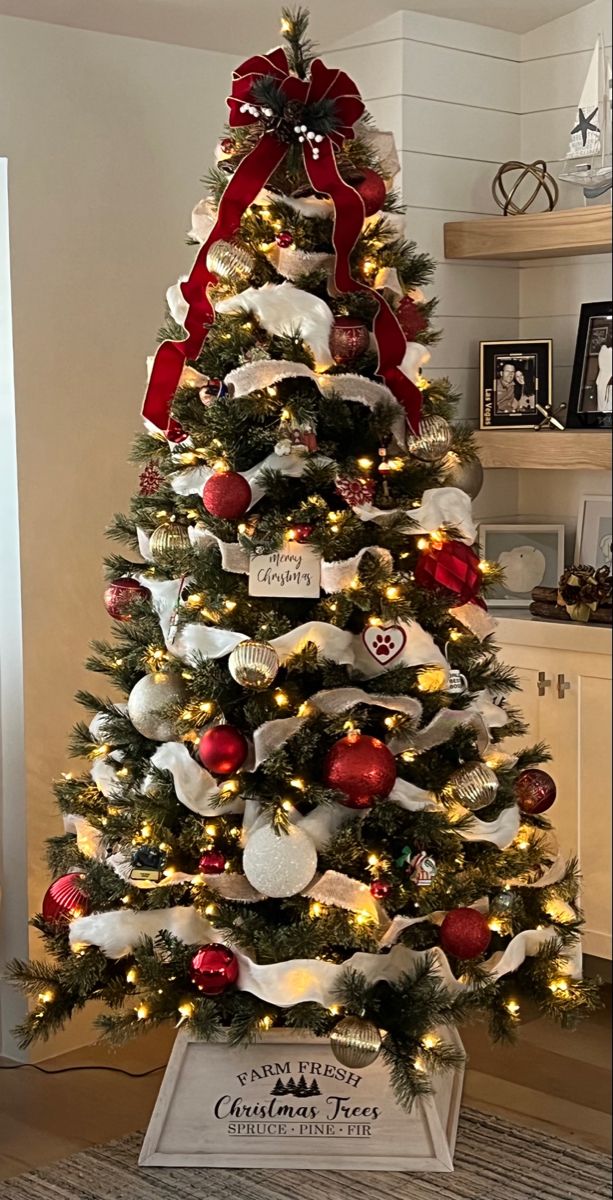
(227, 494)
(451, 565)
(411, 318)
(284, 240)
(465, 933)
(65, 899)
(536, 791)
(121, 595)
(380, 890)
(222, 749)
(302, 533)
(150, 480)
(373, 191)
(212, 863)
(214, 969)
(349, 338)
(361, 767)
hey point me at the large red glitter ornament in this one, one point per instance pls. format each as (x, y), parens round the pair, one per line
(212, 862)
(411, 318)
(362, 767)
(349, 338)
(65, 899)
(372, 189)
(536, 791)
(227, 494)
(222, 749)
(121, 595)
(214, 969)
(451, 565)
(465, 933)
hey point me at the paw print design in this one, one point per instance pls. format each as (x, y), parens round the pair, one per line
(383, 645)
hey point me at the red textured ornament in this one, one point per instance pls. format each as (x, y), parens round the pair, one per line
(284, 240)
(536, 792)
(465, 933)
(65, 899)
(348, 339)
(121, 595)
(222, 749)
(175, 434)
(380, 890)
(150, 480)
(356, 491)
(227, 494)
(302, 533)
(214, 969)
(227, 145)
(362, 767)
(373, 191)
(212, 863)
(411, 318)
(452, 565)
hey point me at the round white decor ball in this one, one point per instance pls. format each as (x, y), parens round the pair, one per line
(279, 864)
(148, 704)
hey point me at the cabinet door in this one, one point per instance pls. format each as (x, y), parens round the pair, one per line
(594, 805)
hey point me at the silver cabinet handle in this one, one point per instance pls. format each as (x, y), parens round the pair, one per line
(563, 687)
(543, 683)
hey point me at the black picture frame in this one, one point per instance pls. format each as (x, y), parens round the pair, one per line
(591, 389)
(515, 383)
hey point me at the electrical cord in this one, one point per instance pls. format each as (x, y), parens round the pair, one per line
(67, 1070)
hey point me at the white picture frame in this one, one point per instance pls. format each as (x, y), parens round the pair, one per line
(593, 544)
(532, 555)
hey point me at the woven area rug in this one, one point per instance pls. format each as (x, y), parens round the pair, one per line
(494, 1161)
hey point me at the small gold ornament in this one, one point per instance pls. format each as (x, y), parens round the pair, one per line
(254, 665)
(473, 786)
(169, 543)
(230, 261)
(355, 1042)
(433, 440)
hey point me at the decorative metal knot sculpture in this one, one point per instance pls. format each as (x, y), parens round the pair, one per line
(536, 171)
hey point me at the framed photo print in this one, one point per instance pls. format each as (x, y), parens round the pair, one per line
(591, 389)
(515, 383)
(530, 555)
(594, 532)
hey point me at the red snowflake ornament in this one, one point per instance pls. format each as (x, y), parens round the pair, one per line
(150, 480)
(356, 491)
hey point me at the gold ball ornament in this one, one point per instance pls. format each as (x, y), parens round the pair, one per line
(254, 665)
(433, 440)
(170, 544)
(515, 200)
(474, 786)
(356, 1043)
(230, 261)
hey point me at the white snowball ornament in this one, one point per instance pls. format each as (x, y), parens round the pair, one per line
(148, 705)
(279, 864)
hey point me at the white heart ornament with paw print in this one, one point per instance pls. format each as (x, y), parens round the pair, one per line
(384, 643)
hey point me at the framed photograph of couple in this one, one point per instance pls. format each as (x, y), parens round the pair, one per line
(515, 383)
(591, 389)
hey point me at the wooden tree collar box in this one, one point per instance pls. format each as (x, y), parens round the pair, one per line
(286, 1102)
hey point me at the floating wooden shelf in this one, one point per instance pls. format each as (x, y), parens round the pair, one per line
(573, 449)
(539, 235)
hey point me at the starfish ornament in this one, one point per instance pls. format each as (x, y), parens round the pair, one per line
(585, 125)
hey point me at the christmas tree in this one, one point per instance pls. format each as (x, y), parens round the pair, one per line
(303, 758)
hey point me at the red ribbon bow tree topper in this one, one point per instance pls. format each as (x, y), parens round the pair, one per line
(326, 90)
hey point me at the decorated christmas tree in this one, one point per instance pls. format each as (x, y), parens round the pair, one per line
(297, 809)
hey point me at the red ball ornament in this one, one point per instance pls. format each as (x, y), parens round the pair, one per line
(284, 240)
(411, 318)
(362, 767)
(465, 933)
(380, 890)
(121, 595)
(175, 434)
(212, 863)
(373, 191)
(214, 969)
(302, 533)
(348, 339)
(536, 792)
(227, 494)
(65, 899)
(451, 565)
(227, 145)
(222, 749)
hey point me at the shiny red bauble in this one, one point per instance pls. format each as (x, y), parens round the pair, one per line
(120, 596)
(372, 189)
(222, 749)
(284, 240)
(176, 434)
(227, 495)
(536, 792)
(212, 862)
(465, 933)
(411, 318)
(380, 890)
(65, 900)
(302, 533)
(227, 145)
(451, 565)
(348, 339)
(361, 767)
(214, 969)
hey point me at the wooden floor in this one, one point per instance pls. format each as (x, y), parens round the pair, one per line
(554, 1081)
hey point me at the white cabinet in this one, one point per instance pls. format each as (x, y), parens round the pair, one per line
(565, 675)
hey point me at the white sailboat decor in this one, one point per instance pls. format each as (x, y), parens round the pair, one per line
(588, 159)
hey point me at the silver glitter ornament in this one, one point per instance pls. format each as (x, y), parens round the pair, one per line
(433, 440)
(355, 1042)
(279, 864)
(230, 261)
(467, 476)
(148, 705)
(254, 665)
(473, 786)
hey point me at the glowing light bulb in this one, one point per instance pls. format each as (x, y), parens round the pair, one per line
(423, 544)
(512, 1008)
(365, 463)
(281, 699)
(142, 1012)
(392, 592)
(131, 975)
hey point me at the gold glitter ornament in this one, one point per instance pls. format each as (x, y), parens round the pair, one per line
(355, 1042)
(254, 665)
